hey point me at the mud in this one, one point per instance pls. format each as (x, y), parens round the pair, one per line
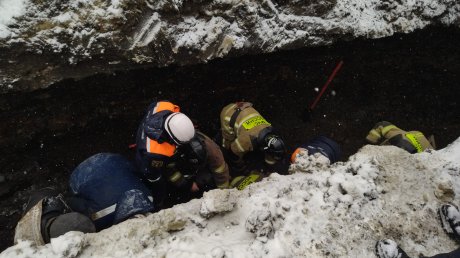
(411, 80)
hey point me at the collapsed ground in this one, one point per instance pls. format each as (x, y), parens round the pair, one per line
(411, 80)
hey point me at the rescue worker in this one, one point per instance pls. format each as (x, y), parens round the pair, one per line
(320, 145)
(160, 133)
(386, 133)
(47, 216)
(105, 188)
(169, 151)
(204, 157)
(245, 131)
(450, 221)
(323, 148)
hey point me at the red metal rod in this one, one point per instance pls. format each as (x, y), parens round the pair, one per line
(331, 77)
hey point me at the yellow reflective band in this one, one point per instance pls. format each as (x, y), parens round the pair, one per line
(373, 136)
(255, 121)
(244, 119)
(375, 133)
(247, 181)
(388, 128)
(228, 112)
(238, 144)
(413, 140)
(176, 176)
(220, 169)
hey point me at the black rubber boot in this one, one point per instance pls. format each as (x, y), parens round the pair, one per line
(38, 195)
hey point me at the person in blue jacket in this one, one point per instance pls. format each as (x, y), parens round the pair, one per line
(105, 188)
(322, 145)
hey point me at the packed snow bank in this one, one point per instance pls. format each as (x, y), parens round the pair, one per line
(8, 10)
(324, 211)
(109, 35)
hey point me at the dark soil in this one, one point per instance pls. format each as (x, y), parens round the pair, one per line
(410, 80)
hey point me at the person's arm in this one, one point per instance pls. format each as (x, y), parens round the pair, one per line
(217, 164)
(380, 132)
(238, 149)
(175, 176)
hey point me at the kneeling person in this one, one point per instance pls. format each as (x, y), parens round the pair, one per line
(106, 189)
(244, 131)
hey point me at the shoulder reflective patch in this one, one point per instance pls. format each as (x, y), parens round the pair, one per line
(157, 163)
(253, 122)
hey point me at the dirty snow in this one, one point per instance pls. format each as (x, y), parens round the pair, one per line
(165, 32)
(319, 211)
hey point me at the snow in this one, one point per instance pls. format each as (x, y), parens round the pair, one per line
(9, 9)
(320, 210)
(165, 32)
(389, 248)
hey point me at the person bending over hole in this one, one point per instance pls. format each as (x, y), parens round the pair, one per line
(386, 133)
(173, 158)
(245, 131)
(162, 130)
(324, 150)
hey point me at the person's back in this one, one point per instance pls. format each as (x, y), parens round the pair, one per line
(320, 145)
(241, 122)
(244, 130)
(107, 189)
(162, 130)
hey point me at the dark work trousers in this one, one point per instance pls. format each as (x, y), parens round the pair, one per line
(453, 254)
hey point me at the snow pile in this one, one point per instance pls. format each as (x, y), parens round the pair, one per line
(8, 10)
(327, 211)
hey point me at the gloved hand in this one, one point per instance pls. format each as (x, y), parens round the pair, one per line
(241, 182)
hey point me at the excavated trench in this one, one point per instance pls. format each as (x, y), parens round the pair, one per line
(411, 80)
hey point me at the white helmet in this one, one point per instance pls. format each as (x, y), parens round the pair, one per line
(180, 128)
